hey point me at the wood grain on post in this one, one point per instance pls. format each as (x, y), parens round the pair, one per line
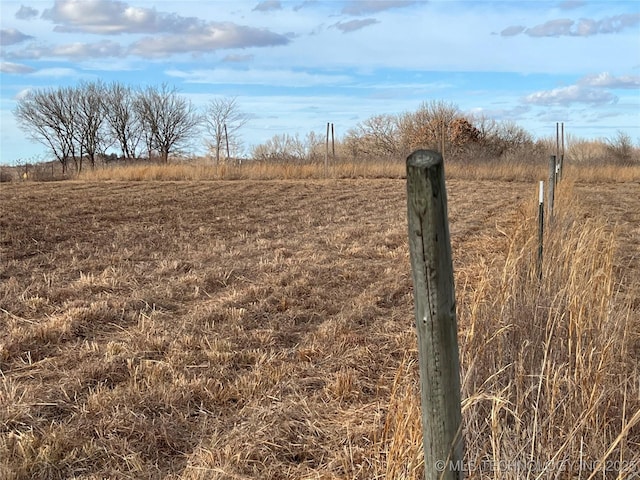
(435, 316)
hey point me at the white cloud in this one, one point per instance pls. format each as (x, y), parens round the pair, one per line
(366, 7)
(26, 13)
(11, 36)
(15, 68)
(552, 28)
(113, 17)
(353, 25)
(268, 5)
(104, 48)
(618, 23)
(513, 30)
(570, 95)
(607, 80)
(211, 37)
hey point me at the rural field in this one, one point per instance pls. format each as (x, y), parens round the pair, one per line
(263, 329)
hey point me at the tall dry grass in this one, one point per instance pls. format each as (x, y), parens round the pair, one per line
(249, 171)
(551, 386)
(550, 383)
(499, 170)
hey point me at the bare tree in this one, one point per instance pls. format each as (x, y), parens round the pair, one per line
(377, 136)
(281, 148)
(48, 117)
(89, 119)
(315, 146)
(487, 127)
(124, 125)
(499, 138)
(223, 121)
(510, 137)
(167, 118)
(620, 148)
(429, 126)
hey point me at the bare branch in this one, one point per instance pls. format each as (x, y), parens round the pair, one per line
(124, 125)
(223, 121)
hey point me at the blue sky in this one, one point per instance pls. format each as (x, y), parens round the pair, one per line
(296, 65)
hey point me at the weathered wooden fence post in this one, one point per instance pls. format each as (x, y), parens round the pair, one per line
(435, 315)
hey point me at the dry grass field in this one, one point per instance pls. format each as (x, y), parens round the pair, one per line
(264, 330)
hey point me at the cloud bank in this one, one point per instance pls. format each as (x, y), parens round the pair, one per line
(168, 33)
(114, 17)
(572, 94)
(584, 27)
(214, 36)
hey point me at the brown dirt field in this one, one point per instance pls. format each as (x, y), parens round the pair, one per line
(245, 329)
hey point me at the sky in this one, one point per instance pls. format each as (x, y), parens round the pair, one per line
(295, 65)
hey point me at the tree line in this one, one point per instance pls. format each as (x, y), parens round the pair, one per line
(80, 123)
(435, 124)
